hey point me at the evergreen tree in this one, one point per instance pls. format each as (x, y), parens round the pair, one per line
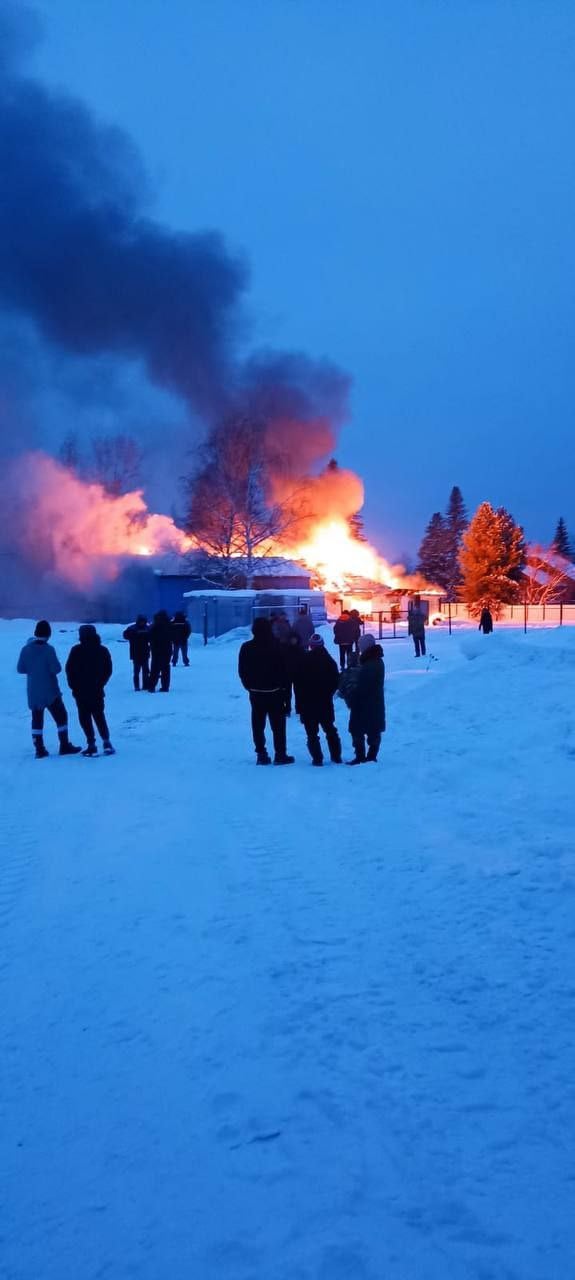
(456, 523)
(433, 552)
(561, 543)
(491, 559)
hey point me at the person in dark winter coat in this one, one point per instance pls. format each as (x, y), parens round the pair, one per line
(416, 620)
(262, 671)
(161, 649)
(345, 634)
(356, 620)
(88, 670)
(303, 626)
(181, 632)
(486, 622)
(317, 683)
(139, 640)
(293, 653)
(39, 663)
(281, 629)
(367, 719)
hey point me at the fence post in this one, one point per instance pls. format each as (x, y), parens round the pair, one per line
(380, 625)
(525, 615)
(561, 614)
(205, 623)
(449, 614)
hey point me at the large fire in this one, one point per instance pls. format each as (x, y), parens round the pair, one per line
(84, 535)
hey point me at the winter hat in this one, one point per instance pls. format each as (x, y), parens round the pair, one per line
(366, 642)
(262, 628)
(87, 632)
(43, 630)
(316, 642)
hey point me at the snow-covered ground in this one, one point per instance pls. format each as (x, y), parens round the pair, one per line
(293, 1024)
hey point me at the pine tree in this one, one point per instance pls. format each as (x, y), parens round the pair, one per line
(433, 552)
(561, 543)
(491, 559)
(456, 523)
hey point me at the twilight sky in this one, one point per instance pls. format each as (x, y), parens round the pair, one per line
(401, 177)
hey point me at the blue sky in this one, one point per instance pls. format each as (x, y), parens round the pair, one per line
(401, 177)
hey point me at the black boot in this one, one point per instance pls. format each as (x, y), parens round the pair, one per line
(41, 752)
(108, 749)
(66, 747)
(263, 758)
(90, 750)
(318, 763)
(284, 759)
(372, 755)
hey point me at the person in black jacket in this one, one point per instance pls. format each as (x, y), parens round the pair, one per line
(139, 639)
(88, 670)
(161, 648)
(367, 703)
(181, 632)
(262, 671)
(486, 621)
(345, 634)
(317, 682)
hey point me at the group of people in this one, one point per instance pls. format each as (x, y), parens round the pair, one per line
(88, 670)
(156, 647)
(286, 661)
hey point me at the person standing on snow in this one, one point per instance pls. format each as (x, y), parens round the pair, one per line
(161, 648)
(262, 671)
(367, 719)
(88, 670)
(416, 620)
(316, 684)
(138, 637)
(39, 663)
(303, 626)
(344, 634)
(181, 632)
(486, 621)
(356, 621)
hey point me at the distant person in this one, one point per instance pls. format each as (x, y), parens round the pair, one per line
(181, 632)
(39, 663)
(88, 670)
(344, 634)
(281, 628)
(303, 626)
(262, 671)
(161, 651)
(486, 622)
(139, 640)
(294, 654)
(356, 621)
(317, 682)
(416, 620)
(367, 719)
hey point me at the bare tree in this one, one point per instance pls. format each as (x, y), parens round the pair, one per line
(116, 463)
(229, 508)
(547, 577)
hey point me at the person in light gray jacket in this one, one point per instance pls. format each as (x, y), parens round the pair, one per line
(38, 661)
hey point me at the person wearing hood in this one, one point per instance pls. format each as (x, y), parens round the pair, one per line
(161, 647)
(181, 632)
(262, 671)
(367, 703)
(138, 637)
(88, 670)
(38, 661)
(486, 621)
(317, 682)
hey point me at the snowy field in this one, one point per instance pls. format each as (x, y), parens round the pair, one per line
(292, 1024)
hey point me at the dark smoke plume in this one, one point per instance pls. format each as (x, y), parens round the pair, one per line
(97, 282)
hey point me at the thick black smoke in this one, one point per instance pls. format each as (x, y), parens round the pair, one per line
(91, 279)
